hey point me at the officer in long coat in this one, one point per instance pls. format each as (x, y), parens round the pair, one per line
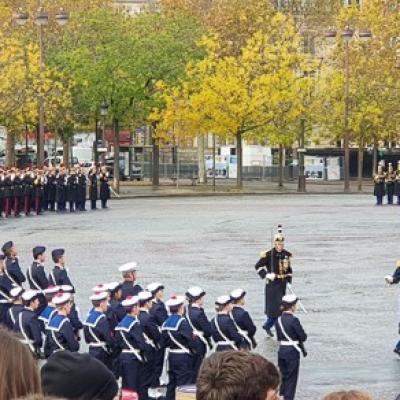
(18, 193)
(92, 177)
(81, 191)
(390, 180)
(379, 185)
(51, 189)
(61, 190)
(38, 188)
(397, 183)
(274, 267)
(104, 187)
(28, 191)
(72, 190)
(2, 191)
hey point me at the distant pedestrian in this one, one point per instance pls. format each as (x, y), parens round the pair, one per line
(92, 177)
(104, 187)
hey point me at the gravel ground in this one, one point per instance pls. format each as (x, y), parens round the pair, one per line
(343, 246)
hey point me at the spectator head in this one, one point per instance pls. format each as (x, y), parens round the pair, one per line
(350, 395)
(19, 374)
(237, 375)
(77, 376)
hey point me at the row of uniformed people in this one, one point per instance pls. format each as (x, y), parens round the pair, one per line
(387, 183)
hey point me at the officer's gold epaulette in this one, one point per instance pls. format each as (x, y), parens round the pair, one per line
(264, 253)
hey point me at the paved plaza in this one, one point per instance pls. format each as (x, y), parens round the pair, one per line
(343, 246)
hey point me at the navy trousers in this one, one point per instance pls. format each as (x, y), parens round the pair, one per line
(130, 369)
(201, 351)
(101, 355)
(179, 372)
(289, 369)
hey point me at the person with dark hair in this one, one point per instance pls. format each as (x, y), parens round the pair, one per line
(115, 312)
(224, 331)
(350, 395)
(61, 190)
(36, 276)
(72, 190)
(200, 324)
(291, 337)
(51, 189)
(104, 187)
(132, 344)
(12, 269)
(179, 339)
(81, 191)
(129, 287)
(38, 189)
(241, 318)
(27, 323)
(18, 192)
(5, 287)
(92, 178)
(17, 307)
(28, 191)
(19, 373)
(237, 375)
(59, 274)
(97, 330)
(72, 376)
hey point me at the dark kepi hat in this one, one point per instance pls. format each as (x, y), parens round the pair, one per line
(38, 250)
(77, 376)
(7, 246)
(57, 253)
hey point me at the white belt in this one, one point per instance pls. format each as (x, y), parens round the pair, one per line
(135, 352)
(97, 344)
(5, 302)
(226, 343)
(179, 351)
(286, 343)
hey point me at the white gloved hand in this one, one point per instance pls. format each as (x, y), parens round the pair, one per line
(389, 279)
(271, 277)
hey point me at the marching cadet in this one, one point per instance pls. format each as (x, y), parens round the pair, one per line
(72, 189)
(394, 280)
(200, 324)
(129, 287)
(60, 333)
(59, 274)
(178, 338)
(61, 190)
(116, 312)
(224, 331)
(27, 323)
(152, 337)
(12, 268)
(274, 266)
(81, 191)
(390, 180)
(18, 193)
(5, 288)
(97, 330)
(17, 306)
(104, 187)
(73, 314)
(241, 318)
(28, 191)
(133, 345)
(50, 310)
(36, 276)
(92, 177)
(160, 314)
(291, 337)
(379, 185)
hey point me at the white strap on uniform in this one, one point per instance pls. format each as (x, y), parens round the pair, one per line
(26, 340)
(181, 348)
(8, 299)
(97, 341)
(54, 336)
(198, 333)
(10, 277)
(53, 277)
(289, 341)
(149, 341)
(32, 280)
(242, 332)
(131, 349)
(226, 340)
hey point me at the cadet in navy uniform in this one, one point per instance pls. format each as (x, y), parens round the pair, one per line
(48, 313)
(97, 330)
(242, 319)
(12, 268)
(59, 275)
(160, 314)
(60, 333)
(129, 287)
(291, 337)
(394, 280)
(116, 312)
(73, 314)
(200, 324)
(133, 345)
(152, 336)
(27, 323)
(17, 306)
(5, 288)
(274, 266)
(224, 331)
(179, 339)
(36, 276)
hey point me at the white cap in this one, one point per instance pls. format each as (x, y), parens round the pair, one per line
(175, 301)
(61, 298)
(66, 288)
(100, 287)
(28, 295)
(16, 292)
(129, 267)
(195, 292)
(51, 290)
(155, 287)
(99, 296)
(112, 286)
(222, 300)
(237, 294)
(289, 299)
(145, 296)
(130, 301)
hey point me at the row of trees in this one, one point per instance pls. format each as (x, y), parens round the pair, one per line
(239, 69)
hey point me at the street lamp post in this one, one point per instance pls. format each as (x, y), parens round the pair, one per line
(41, 19)
(103, 113)
(301, 187)
(347, 36)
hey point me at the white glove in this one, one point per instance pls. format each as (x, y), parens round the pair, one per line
(270, 277)
(389, 279)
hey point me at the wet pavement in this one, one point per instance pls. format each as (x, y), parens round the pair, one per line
(343, 246)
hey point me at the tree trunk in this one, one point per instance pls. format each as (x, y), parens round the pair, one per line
(239, 152)
(155, 159)
(66, 156)
(375, 158)
(201, 159)
(360, 165)
(10, 150)
(116, 154)
(280, 166)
